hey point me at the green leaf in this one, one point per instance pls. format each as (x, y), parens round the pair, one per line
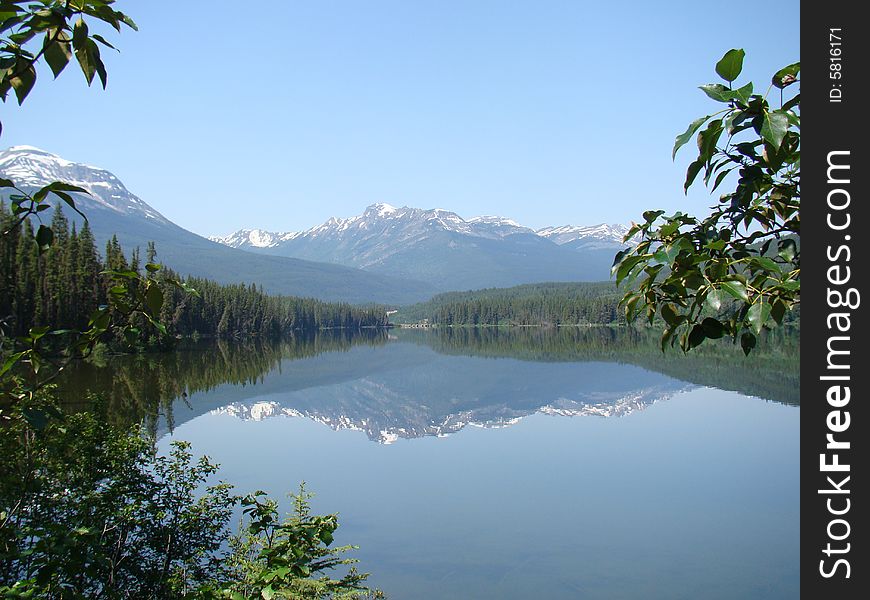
(747, 342)
(692, 173)
(778, 310)
(80, 34)
(44, 237)
(153, 298)
(124, 274)
(616, 260)
(10, 362)
(758, 315)
(786, 76)
(684, 137)
(268, 593)
(787, 249)
(774, 127)
(326, 536)
(708, 139)
(35, 417)
(730, 65)
(99, 319)
(734, 119)
(651, 215)
(128, 21)
(766, 264)
(156, 324)
(38, 332)
(622, 269)
(279, 573)
(98, 63)
(60, 189)
(743, 93)
(88, 54)
(23, 82)
(717, 92)
(736, 289)
(631, 307)
(696, 336)
(103, 41)
(720, 178)
(670, 315)
(61, 186)
(714, 300)
(57, 52)
(713, 328)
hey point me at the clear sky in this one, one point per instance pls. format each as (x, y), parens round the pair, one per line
(224, 115)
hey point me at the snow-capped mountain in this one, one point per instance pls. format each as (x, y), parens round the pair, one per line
(113, 209)
(252, 238)
(408, 253)
(31, 167)
(588, 237)
(374, 219)
(383, 431)
(376, 216)
(446, 250)
(399, 391)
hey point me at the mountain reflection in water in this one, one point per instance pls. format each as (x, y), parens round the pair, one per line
(412, 383)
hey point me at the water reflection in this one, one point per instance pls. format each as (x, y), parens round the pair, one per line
(411, 383)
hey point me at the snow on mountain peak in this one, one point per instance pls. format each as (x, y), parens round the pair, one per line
(601, 235)
(382, 209)
(253, 238)
(26, 148)
(31, 167)
(494, 220)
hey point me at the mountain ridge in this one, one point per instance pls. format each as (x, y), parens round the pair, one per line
(113, 209)
(487, 226)
(386, 254)
(445, 250)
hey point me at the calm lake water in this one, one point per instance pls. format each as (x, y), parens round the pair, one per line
(564, 463)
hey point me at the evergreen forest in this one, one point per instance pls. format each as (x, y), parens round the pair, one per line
(66, 282)
(550, 304)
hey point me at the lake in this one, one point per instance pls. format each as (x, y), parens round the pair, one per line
(494, 463)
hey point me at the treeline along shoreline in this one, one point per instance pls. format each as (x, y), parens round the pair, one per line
(65, 283)
(540, 304)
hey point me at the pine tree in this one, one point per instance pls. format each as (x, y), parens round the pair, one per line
(91, 292)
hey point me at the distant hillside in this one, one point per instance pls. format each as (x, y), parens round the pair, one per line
(533, 304)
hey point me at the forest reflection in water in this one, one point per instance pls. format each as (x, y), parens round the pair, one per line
(152, 388)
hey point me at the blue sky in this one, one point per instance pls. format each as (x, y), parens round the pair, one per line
(222, 115)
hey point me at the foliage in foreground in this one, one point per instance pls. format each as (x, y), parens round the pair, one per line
(89, 510)
(735, 272)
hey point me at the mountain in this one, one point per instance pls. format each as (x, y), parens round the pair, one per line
(112, 209)
(595, 237)
(443, 249)
(399, 391)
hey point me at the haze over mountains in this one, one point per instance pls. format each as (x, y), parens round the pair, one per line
(443, 249)
(388, 254)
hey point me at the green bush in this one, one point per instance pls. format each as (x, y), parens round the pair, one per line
(91, 510)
